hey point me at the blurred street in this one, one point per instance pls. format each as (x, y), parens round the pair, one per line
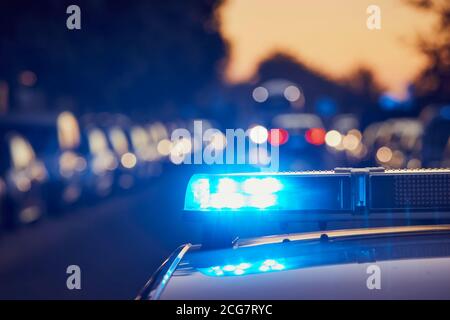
(127, 236)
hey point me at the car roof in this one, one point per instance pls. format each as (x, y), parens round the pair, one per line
(317, 265)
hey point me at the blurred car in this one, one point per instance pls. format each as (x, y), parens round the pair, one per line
(144, 146)
(301, 140)
(121, 154)
(67, 163)
(23, 178)
(125, 175)
(102, 163)
(57, 141)
(395, 143)
(436, 139)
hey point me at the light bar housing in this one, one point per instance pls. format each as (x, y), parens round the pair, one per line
(354, 190)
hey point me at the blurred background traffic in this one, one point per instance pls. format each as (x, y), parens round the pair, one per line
(88, 172)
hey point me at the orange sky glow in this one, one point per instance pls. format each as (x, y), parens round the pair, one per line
(328, 35)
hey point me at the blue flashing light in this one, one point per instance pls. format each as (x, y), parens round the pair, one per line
(226, 186)
(218, 192)
(262, 201)
(244, 268)
(267, 192)
(261, 186)
(229, 268)
(239, 272)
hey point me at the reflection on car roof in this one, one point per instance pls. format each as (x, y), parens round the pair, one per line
(309, 266)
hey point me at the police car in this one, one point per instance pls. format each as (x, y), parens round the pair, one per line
(396, 244)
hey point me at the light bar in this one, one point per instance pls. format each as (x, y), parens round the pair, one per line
(258, 192)
(340, 190)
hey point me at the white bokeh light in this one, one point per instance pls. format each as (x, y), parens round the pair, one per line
(292, 93)
(258, 134)
(260, 94)
(333, 138)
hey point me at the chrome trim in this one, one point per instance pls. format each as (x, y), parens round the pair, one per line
(155, 286)
(337, 234)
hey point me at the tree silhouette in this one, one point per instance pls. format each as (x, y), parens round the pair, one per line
(363, 82)
(433, 83)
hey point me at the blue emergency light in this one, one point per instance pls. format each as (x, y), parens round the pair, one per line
(265, 192)
(339, 190)
(245, 268)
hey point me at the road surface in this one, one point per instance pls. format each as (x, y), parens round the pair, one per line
(117, 243)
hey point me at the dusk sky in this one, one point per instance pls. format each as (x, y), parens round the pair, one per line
(329, 35)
